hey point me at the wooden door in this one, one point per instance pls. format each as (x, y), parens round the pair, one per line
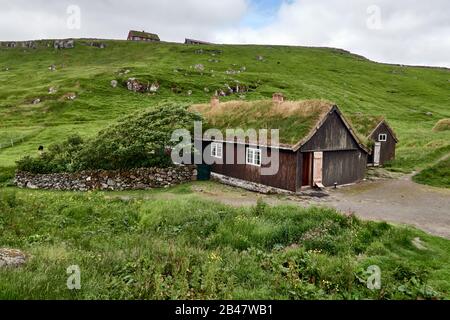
(377, 154)
(307, 169)
(318, 168)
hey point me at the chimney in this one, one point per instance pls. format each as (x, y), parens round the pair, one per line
(215, 101)
(278, 97)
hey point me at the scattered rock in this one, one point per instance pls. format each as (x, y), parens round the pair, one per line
(99, 45)
(260, 58)
(29, 44)
(70, 96)
(136, 86)
(36, 101)
(64, 44)
(52, 90)
(52, 68)
(206, 90)
(114, 83)
(11, 258)
(189, 93)
(154, 87)
(199, 67)
(429, 113)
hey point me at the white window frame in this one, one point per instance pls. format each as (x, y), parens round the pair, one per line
(251, 157)
(217, 150)
(384, 135)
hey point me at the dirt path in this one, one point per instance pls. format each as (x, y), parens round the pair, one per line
(400, 201)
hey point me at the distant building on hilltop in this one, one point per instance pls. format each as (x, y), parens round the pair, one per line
(192, 41)
(142, 36)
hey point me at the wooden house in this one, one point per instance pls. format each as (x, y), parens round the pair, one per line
(142, 36)
(317, 146)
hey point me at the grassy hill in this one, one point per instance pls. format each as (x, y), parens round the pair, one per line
(413, 99)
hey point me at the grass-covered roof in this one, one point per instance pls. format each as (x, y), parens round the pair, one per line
(143, 34)
(294, 119)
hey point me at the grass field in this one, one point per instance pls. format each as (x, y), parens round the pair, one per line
(412, 99)
(173, 245)
(170, 244)
(437, 175)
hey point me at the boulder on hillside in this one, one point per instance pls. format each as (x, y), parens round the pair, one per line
(11, 258)
(64, 44)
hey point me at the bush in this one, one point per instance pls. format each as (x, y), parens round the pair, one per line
(6, 174)
(140, 140)
(58, 158)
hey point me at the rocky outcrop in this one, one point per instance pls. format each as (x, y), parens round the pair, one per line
(137, 86)
(11, 258)
(135, 179)
(64, 44)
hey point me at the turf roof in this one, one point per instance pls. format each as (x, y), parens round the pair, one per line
(144, 34)
(294, 119)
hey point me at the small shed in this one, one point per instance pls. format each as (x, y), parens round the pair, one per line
(317, 145)
(384, 143)
(142, 36)
(378, 134)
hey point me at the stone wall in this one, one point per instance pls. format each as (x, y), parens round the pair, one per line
(135, 179)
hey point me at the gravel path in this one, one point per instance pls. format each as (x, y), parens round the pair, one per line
(399, 201)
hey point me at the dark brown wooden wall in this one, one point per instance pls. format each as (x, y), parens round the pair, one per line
(332, 135)
(343, 167)
(286, 178)
(387, 148)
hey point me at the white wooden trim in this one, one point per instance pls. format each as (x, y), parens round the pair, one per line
(253, 161)
(384, 135)
(215, 146)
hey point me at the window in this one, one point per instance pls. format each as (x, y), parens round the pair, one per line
(253, 156)
(216, 150)
(382, 137)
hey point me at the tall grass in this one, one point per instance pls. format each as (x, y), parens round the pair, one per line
(187, 248)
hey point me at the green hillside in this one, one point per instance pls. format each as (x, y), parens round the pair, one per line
(412, 99)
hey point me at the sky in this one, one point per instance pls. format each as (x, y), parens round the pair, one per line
(414, 32)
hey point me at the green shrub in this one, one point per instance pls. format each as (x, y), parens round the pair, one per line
(6, 174)
(140, 140)
(137, 141)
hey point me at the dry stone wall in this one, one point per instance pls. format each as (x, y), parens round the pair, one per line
(135, 179)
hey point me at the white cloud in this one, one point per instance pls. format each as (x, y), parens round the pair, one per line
(173, 20)
(411, 31)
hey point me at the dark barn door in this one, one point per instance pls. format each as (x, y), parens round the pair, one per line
(307, 169)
